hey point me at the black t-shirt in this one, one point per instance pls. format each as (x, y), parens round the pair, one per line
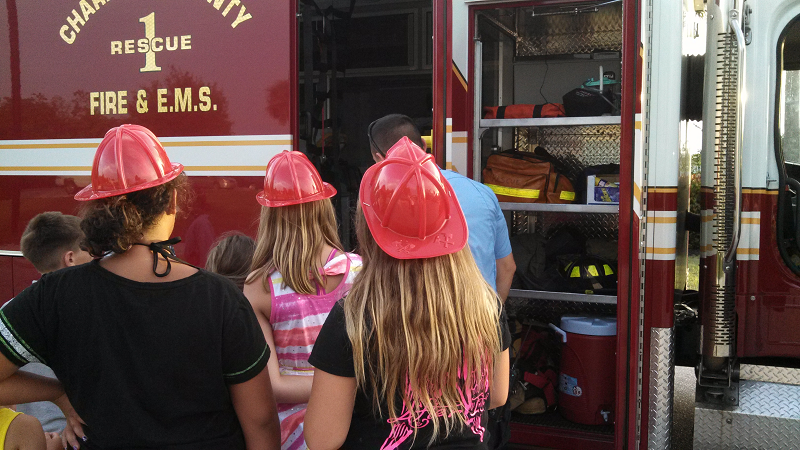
(333, 353)
(146, 365)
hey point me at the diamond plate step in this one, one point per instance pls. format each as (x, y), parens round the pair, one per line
(772, 374)
(768, 417)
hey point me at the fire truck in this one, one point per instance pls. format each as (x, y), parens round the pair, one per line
(226, 84)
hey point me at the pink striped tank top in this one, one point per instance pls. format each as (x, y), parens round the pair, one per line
(296, 320)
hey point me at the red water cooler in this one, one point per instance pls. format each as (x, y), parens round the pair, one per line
(587, 373)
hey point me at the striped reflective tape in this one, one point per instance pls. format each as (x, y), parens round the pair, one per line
(16, 344)
(514, 192)
(567, 195)
(661, 235)
(750, 236)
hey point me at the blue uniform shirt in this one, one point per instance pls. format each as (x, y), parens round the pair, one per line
(488, 233)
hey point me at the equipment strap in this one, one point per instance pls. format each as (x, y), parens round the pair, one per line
(501, 112)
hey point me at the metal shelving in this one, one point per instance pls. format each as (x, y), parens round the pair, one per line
(527, 52)
(563, 296)
(550, 122)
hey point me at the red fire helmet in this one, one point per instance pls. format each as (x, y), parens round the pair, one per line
(291, 179)
(410, 207)
(129, 159)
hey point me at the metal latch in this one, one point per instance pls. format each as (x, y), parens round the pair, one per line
(718, 387)
(748, 32)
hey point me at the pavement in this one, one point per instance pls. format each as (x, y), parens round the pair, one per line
(683, 408)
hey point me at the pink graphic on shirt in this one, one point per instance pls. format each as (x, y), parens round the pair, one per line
(473, 400)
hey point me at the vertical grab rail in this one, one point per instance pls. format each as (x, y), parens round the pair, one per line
(719, 334)
(477, 89)
(730, 253)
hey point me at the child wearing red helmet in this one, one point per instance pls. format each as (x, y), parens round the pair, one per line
(417, 352)
(299, 271)
(151, 354)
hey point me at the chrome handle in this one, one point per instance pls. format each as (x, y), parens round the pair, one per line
(737, 217)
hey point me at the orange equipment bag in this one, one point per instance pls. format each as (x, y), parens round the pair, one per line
(522, 177)
(524, 111)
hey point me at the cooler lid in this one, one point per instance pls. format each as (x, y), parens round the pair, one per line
(589, 325)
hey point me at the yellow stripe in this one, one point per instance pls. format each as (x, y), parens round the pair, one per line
(743, 251)
(449, 129)
(460, 140)
(651, 219)
(748, 220)
(89, 169)
(45, 168)
(707, 189)
(220, 168)
(567, 195)
(760, 191)
(637, 192)
(638, 125)
(663, 190)
(514, 192)
(165, 144)
(226, 143)
(460, 78)
(661, 250)
(28, 146)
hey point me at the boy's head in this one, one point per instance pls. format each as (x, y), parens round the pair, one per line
(386, 131)
(52, 240)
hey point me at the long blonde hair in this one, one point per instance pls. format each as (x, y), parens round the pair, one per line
(290, 239)
(421, 330)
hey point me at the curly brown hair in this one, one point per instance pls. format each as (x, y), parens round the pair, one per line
(114, 224)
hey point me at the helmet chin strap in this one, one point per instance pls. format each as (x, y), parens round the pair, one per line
(165, 249)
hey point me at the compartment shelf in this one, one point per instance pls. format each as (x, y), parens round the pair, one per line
(556, 207)
(550, 122)
(552, 431)
(563, 296)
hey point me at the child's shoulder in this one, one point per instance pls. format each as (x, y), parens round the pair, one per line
(355, 258)
(20, 431)
(6, 416)
(339, 264)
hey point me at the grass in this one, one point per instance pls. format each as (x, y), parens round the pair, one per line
(693, 277)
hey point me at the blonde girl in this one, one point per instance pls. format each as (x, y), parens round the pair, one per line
(299, 271)
(416, 354)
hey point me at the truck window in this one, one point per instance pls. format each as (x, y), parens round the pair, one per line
(787, 143)
(789, 100)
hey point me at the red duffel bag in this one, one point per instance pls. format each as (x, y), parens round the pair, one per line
(524, 111)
